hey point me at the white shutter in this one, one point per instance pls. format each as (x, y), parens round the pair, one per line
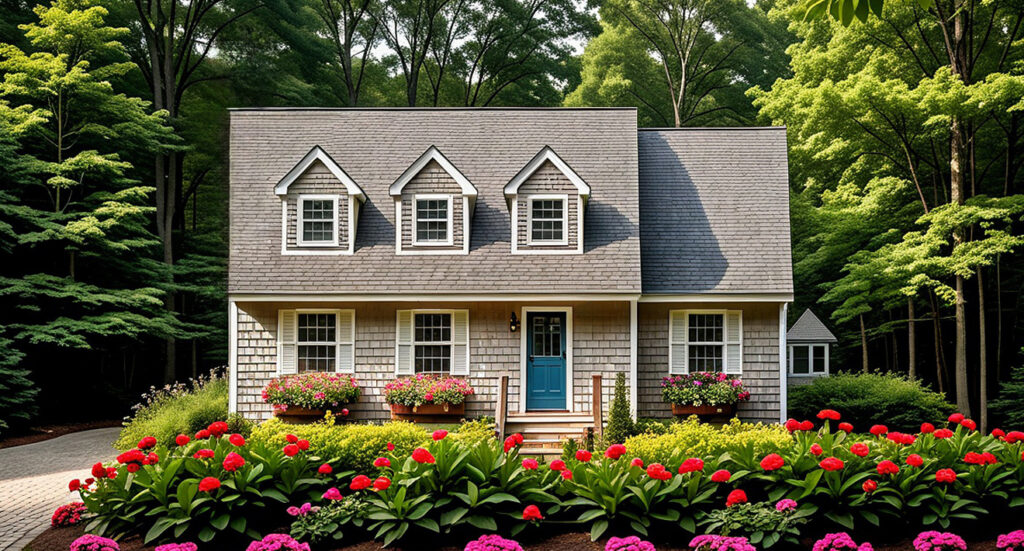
(734, 341)
(345, 361)
(460, 342)
(287, 333)
(403, 343)
(677, 342)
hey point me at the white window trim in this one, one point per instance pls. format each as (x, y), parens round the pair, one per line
(686, 339)
(452, 343)
(810, 360)
(449, 223)
(570, 403)
(338, 340)
(530, 241)
(299, 241)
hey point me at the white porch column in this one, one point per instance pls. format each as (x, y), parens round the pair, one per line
(783, 362)
(232, 356)
(633, 376)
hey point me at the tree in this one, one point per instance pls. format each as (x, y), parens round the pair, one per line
(353, 33)
(620, 421)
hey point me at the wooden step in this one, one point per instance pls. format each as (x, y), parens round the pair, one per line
(549, 453)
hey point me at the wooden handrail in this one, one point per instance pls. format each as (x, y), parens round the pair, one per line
(501, 407)
(596, 407)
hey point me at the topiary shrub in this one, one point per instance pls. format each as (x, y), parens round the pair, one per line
(620, 422)
(866, 398)
(179, 409)
(691, 438)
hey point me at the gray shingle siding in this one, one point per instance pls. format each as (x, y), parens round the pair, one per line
(316, 180)
(432, 180)
(547, 180)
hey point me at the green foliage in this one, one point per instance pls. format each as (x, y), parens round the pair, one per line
(179, 409)
(312, 390)
(691, 438)
(761, 523)
(474, 432)
(17, 393)
(620, 422)
(860, 398)
(329, 521)
(1009, 408)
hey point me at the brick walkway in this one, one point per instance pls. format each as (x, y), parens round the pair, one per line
(34, 480)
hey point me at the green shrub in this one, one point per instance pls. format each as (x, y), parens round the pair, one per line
(866, 398)
(1009, 408)
(620, 422)
(695, 439)
(652, 426)
(474, 432)
(179, 409)
(347, 446)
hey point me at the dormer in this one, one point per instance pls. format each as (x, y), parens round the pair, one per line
(434, 205)
(320, 206)
(546, 199)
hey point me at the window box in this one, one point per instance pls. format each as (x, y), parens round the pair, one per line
(428, 413)
(704, 411)
(294, 415)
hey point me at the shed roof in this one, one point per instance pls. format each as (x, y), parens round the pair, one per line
(808, 328)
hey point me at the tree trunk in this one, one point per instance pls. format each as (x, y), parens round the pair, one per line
(911, 341)
(982, 357)
(863, 346)
(937, 328)
(957, 185)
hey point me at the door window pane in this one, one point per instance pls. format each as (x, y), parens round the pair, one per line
(547, 336)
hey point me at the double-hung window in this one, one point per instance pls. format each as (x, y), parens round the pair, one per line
(432, 341)
(808, 359)
(432, 220)
(316, 341)
(548, 222)
(318, 220)
(705, 341)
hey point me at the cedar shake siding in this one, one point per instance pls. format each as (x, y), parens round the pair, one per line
(547, 181)
(600, 345)
(760, 357)
(317, 180)
(434, 181)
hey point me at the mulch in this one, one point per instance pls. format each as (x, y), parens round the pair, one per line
(59, 539)
(30, 435)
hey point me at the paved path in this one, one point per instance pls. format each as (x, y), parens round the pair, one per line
(34, 480)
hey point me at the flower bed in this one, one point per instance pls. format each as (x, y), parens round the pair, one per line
(702, 389)
(312, 391)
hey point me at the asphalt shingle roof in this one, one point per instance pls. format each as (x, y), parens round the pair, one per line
(808, 328)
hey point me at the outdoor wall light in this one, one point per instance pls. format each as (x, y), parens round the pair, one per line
(513, 323)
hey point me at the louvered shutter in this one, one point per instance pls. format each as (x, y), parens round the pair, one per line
(287, 353)
(677, 343)
(734, 341)
(403, 343)
(460, 342)
(345, 360)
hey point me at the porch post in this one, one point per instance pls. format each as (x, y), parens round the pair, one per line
(632, 358)
(783, 362)
(232, 356)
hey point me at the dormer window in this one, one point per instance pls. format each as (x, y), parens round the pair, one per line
(433, 220)
(549, 218)
(434, 205)
(547, 200)
(318, 221)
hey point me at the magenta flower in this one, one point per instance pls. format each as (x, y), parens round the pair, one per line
(785, 505)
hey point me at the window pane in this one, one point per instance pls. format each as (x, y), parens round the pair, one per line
(433, 358)
(432, 220)
(317, 328)
(819, 359)
(705, 357)
(800, 361)
(547, 220)
(316, 358)
(706, 327)
(433, 328)
(318, 220)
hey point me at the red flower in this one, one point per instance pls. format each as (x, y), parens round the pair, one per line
(325, 469)
(147, 442)
(421, 455)
(869, 486)
(943, 433)
(531, 512)
(830, 414)
(986, 458)
(888, 467)
(209, 484)
(583, 455)
(132, 467)
(151, 459)
(217, 428)
(89, 481)
(735, 498)
(900, 438)
(382, 483)
(637, 462)
(816, 449)
(557, 465)
(74, 485)
(237, 440)
(439, 434)
(989, 458)
(203, 454)
(391, 447)
(792, 425)
(914, 460)
(182, 440)
(1014, 436)
(303, 444)
(98, 471)
(691, 465)
(998, 433)
(772, 461)
(657, 471)
(382, 462)
(945, 476)
(615, 451)
(721, 475)
(927, 428)
(831, 464)
(567, 474)
(360, 482)
(291, 450)
(202, 434)
(860, 449)
(510, 443)
(806, 425)
(956, 418)
(232, 462)
(131, 456)
(291, 438)
(968, 424)
(111, 472)
(530, 464)
(846, 427)
(878, 430)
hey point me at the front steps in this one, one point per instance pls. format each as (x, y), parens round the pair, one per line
(544, 432)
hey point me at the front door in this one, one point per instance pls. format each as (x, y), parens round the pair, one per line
(545, 360)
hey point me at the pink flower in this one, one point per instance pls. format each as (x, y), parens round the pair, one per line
(530, 464)
(333, 494)
(785, 505)
(583, 455)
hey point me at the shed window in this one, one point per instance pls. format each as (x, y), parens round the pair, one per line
(808, 359)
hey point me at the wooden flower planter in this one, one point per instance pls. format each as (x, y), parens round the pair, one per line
(704, 411)
(295, 415)
(428, 413)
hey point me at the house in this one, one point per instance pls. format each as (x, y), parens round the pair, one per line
(387, 242)
(809, 344)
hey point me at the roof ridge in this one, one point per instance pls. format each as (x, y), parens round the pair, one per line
(698, 128)
(487, 108)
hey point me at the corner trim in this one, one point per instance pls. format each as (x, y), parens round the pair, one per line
(232, 356)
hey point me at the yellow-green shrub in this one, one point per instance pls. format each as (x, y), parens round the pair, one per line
(692, 438)
(472, 433)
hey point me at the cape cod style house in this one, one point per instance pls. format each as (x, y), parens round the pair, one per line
(527, 250)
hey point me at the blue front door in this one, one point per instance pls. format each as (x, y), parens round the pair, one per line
(545, 360)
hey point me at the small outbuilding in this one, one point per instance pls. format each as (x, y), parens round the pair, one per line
(809, 342)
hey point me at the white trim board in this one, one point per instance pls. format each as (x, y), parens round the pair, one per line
(783, 376)
(564, 199)
(233, 356)
(546, 154)
(567, 310)
(718, 297)
(318, 154)
(446, 297)
(300, 220)
(432, 154)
